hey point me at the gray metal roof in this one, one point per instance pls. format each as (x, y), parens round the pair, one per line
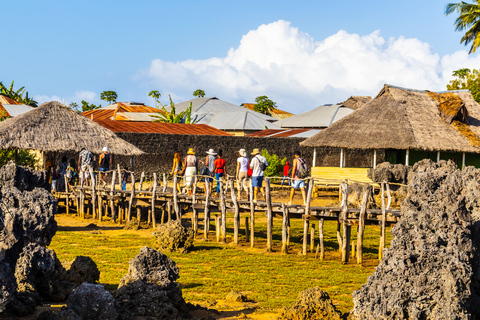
(16, 109)
(320, 117)
(225, 116)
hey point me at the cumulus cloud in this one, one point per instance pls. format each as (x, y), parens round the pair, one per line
(300, 73)
(42, 99)
(88, 96)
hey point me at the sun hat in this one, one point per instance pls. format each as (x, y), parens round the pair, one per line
(255, 151)
(190, 151)
(243, 152)
(105, 149)
(212, 152)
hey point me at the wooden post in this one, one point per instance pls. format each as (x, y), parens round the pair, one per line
(389, 196)
(268, 199)
(382, 234)
(112, 189)
(236, 216)
(217, 227)
(374, 158)
(284, 229)
(407, 158)
(438, 156)
(175, 199)
(140, 185)
(139, 214)
(223, 210)
(341, 157)
(206, 218)
(100, 206)
(169, 210)
(352, 246)
(339, 235)
(348, 239)
(345, 224)
(247, 233)
(119, 177)
(309, 196)
(93, 192)
(322, 245)
(164, 183)
(312, 237)
(361, 226)
(194, 211)
(314, 157)
(463, 160)
(252, 217)
(132, 195)
(288, 229)
(305, 234)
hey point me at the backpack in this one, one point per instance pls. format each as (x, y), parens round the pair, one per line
(262, 165)
(302, 168)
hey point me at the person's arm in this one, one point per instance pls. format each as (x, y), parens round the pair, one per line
(251, 163)
(294, 168)
(100, 159)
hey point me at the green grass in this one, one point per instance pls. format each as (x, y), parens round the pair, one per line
(212, 270)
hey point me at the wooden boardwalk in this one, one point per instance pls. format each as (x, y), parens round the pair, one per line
(161, 203)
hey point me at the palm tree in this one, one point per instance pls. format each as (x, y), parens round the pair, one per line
(17, 95)
(169, 117)
(155, 94)
(469, 18)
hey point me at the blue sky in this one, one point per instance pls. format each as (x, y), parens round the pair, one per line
(300, 53)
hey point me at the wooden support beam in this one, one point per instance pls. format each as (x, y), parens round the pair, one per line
(389, 196)
(194, 211)
(217, 227)
(247, 231)
(268, 199)
(139, 213)
(305, 234)
(132, 196)
(252, 216)
(206, 218)
(175, 199)
(112, 189)
(463, 160)
(383, 226)
(164, 183)
(312, 237)
(236, 216)
(438, 156)
(140, 185)
(345, 223)
(361, 225)
(374, 158)
(93, 193)
(322, 245)
(314, 164)
(119, 177)
(407, 158)
(284, 229)
(223, 210)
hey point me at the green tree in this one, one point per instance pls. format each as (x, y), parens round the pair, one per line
(264, 105)
(469, 20)
(466, 79)
(87, 106)
(155, 94)
(109, 96)
(73, 105)
(199, 93)
(171, 117)
(275, 164)
(17, 95)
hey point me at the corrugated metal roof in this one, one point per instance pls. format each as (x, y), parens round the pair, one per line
(320, 117)
(157, 127)
(16, 109)
(276, 113)
(285, 133)
(7, 100)
(136, 116)
(225, 116)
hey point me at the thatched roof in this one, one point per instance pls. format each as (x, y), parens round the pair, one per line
(401, 118)
(355, 102)
(55, 127)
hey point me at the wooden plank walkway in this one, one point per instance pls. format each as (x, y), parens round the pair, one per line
(118, 205)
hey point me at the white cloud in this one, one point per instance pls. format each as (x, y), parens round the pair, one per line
(42, 99)
(84, 95)
(88, 96)
(300, 73)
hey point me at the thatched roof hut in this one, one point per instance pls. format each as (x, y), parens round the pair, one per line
(55, 127)
(406, 119)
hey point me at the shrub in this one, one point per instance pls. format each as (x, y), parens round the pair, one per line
(275, 164)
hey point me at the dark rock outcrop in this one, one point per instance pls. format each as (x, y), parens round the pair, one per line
(8, 285)
(236, 296)
(432, 268)
(64, 314)
(312, 304)
(92, 301)
(386, 172)
(82, 269)
(149, 289)
(173, 237)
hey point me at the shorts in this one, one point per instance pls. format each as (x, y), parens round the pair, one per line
(297, 183)
(103, 169)
(85, 171)
(257, 181)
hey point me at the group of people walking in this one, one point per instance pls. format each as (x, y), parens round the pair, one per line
(214, 166)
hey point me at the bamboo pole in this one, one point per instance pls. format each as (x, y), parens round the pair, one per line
(112, 189)
(252, 217)
(206, 218)
(154, 196)
(284, 229)
(132, 195)
(223, 210)
(361, 226)
(322, 245)
(100, 206)
(268, 199)
(312, 237)
(194, 211)
(382, 234)
(93, 192)
(236, 217)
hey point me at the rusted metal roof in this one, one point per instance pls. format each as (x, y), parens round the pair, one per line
(285, 133)
(158, 127)
(7, 100)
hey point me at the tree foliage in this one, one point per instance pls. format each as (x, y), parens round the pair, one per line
(264, 105)
(17, 95)
(199, 93)
(469, 20)
(171, 116)
(155, 94)
(109, 96)
(89, 106)
(275, 164)
(466, 79)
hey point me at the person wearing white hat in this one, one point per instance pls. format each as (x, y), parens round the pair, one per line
(242, 172)
(210, 166)
(104, 161)
(258, 166)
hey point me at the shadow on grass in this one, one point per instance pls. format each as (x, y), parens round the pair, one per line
(200, 247)
(190, 285)
(90, 227)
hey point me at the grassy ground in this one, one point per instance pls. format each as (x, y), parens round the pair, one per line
(212, 270)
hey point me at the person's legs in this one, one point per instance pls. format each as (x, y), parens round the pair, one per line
(217, 177)
(303, 196)
(292, 194)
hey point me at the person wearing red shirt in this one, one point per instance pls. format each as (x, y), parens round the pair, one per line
(219, 169)
(286, 168)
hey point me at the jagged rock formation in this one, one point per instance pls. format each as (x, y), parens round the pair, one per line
(386, 172)
(173, 237)
(312, 304)
(82, 269)
(92, 301)
(149, 289)
(432, 268)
